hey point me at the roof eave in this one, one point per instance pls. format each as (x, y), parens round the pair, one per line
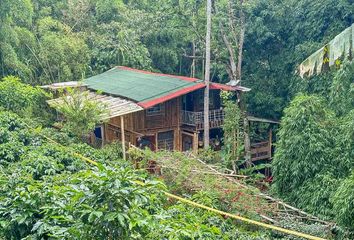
(224, 87)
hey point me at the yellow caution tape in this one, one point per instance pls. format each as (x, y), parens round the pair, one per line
(187, 201)
(279, 229)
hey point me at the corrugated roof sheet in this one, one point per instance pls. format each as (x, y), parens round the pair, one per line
(136, 85)
(256, 119)
(115, 106)
(147, 88)
(62, 85)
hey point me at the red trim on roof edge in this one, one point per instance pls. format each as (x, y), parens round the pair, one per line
(228, 88)
(159, 74)
(222, 87)
(178, 93)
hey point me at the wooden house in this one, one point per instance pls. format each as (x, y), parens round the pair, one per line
(154, 110)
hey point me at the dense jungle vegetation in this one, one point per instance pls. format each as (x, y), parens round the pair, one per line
(47, 192)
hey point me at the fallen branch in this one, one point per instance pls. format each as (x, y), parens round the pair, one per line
(285, 205)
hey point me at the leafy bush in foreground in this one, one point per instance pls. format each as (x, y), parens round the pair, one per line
(47, 193)
(343, 202)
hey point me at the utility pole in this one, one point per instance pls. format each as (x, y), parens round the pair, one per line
(207, 76)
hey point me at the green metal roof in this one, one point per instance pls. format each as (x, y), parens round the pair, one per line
(139, 86)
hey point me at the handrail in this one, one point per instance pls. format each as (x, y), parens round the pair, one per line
(197, 118)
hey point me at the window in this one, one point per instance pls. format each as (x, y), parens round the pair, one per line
(155, 110)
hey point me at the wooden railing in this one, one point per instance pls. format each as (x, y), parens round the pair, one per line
(216, 118)
(260, 151)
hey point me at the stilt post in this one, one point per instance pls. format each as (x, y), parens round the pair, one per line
(123, 136)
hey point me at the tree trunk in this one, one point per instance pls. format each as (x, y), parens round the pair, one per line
(246, 127)
(247, 140)
(240, 45)
(207, 76)
(231, 68)
(193, 60)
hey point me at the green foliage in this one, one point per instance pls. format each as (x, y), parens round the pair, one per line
(209, 156)
(80, 112)
(313, 229)
(113, 44)
(182, 222)
(13, 13)
(303, 148)
(233, 133)
(22, 98)
(342, 90)
(187, 175)
(343, 202)
(66, 56)
(344, 148)
(315, 193)
(52, 193)
(313, 157)
(47, 192)
(46, 41)
(79, 206)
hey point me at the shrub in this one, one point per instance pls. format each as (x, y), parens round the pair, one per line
(305, 143)
(343, 202)
(22, 98)
(81, 113)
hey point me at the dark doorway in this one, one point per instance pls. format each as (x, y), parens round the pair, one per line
(187, 142)
(146, 142)
(98, 132)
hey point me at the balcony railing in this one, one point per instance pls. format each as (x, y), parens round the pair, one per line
(196, 119)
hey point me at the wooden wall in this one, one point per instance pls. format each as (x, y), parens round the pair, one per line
(196, 99)
(168, 119)
(141, 124)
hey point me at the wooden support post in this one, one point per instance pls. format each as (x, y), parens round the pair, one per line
(248, 154)
(123, 136)
(195, 143)
(156, 142)
(105, 140)
(103, 135)
(175, 139)
(270, 142)
(178, 131)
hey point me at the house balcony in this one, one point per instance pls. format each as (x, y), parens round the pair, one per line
(196, 119)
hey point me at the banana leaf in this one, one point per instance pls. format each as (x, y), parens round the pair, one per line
(341, 47)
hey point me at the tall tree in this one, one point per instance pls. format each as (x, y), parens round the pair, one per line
(232, 31)
(232, 27)
(207, 76)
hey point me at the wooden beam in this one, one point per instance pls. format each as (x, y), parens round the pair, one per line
(123, 137)
(175, 139)
(156, 142)
(105, 140)
(103, 134)
(270, 142)
(131, 131)
(195, 143)
(187, 133)
(178, 131)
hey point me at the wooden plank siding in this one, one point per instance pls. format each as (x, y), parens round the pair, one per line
(169, 121)
(141, 124)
